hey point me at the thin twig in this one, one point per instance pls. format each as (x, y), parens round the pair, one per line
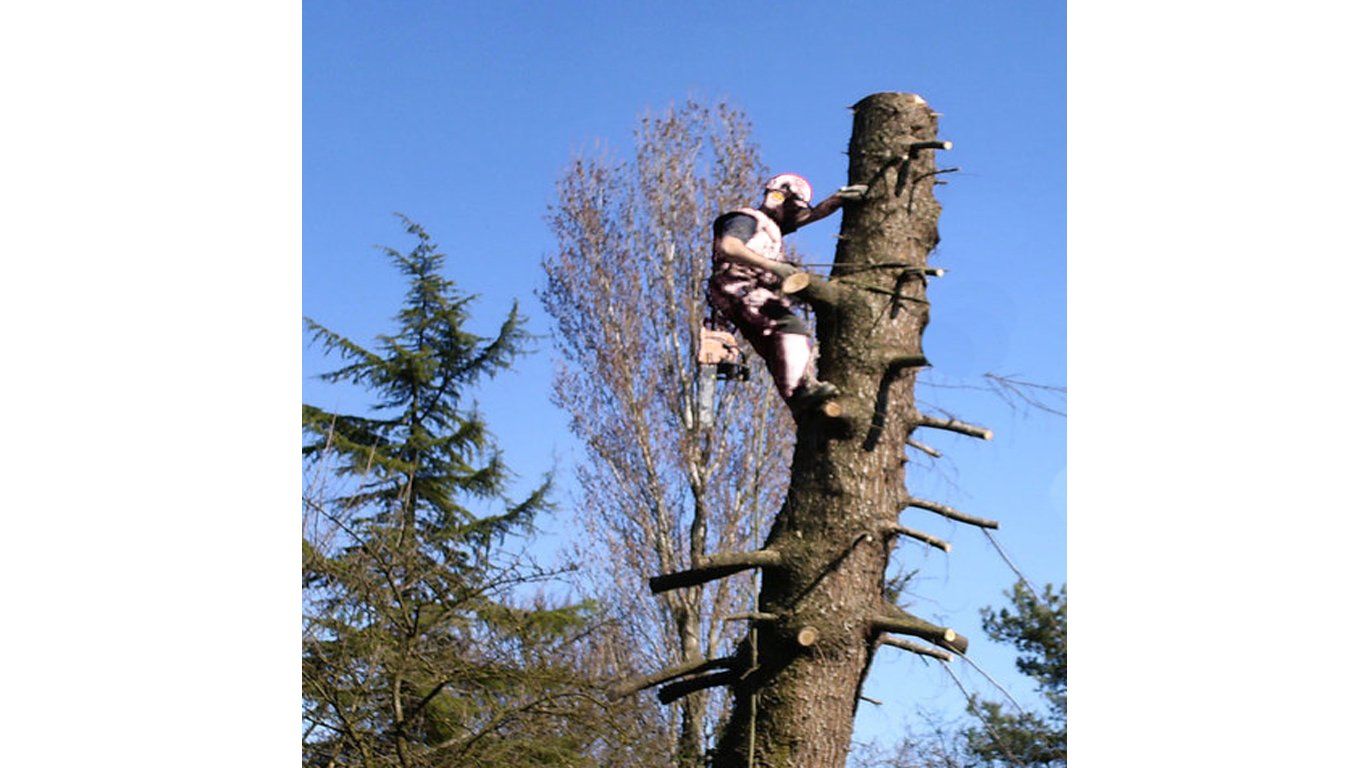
(923, 447)
(935, 172)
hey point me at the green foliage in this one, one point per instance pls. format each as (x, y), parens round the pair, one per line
(421, 647)
(1001, 737)
(1037, 627)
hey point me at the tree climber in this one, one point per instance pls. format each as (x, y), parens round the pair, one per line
(748, 266)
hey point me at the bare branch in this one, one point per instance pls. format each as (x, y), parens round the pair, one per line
(751, 616)
(715, 567)
(949, 512)
(953, 425)
(935, 172)
(899, 621)
(919, 446)
(923, 650)
(1010, 388)
(919, 536)
(675, 691)
(623, 688)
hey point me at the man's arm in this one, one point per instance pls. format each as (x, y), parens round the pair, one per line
(830, 204)
(732, 249)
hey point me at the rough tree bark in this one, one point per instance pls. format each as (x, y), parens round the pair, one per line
(795, 709)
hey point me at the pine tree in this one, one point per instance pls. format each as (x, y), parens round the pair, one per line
(423, 645)
(1036, 624)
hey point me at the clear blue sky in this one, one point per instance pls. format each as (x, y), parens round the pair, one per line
(461, 115)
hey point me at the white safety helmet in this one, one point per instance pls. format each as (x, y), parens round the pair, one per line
(793, 186)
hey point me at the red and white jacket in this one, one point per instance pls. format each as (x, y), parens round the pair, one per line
(763, 237)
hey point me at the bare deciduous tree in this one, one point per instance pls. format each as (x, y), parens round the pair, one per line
(662, 489)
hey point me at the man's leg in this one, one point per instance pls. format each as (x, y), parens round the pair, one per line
(790, 358)
(767, 321)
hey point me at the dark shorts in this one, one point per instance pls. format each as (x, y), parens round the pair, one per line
(753, 308)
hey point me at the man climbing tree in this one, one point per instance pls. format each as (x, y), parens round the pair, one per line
(823, 609)
(747, 267)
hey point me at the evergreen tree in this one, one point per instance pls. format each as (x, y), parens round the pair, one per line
(1036, 624)
(416, 650)
(1001, 738)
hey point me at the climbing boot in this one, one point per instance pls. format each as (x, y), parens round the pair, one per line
(810, 393)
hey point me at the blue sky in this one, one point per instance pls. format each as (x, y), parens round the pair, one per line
(461, 115)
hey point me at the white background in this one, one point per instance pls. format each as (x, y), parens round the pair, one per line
(151, 393)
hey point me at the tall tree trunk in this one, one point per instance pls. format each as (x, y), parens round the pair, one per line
(823, 606)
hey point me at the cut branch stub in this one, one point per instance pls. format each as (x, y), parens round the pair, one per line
(796, 283)
(902, 530)
(715, 567)
(632, 685)
(949, 512)
(675, 691)
(923, 650)
(807, 636)
(954, 425)
(898, 621)
(917, 146)
(810, 288)
(900, 362)
(919, 446)
(751, 616)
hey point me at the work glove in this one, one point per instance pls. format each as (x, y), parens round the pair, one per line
(782, 269)
(852, 192)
